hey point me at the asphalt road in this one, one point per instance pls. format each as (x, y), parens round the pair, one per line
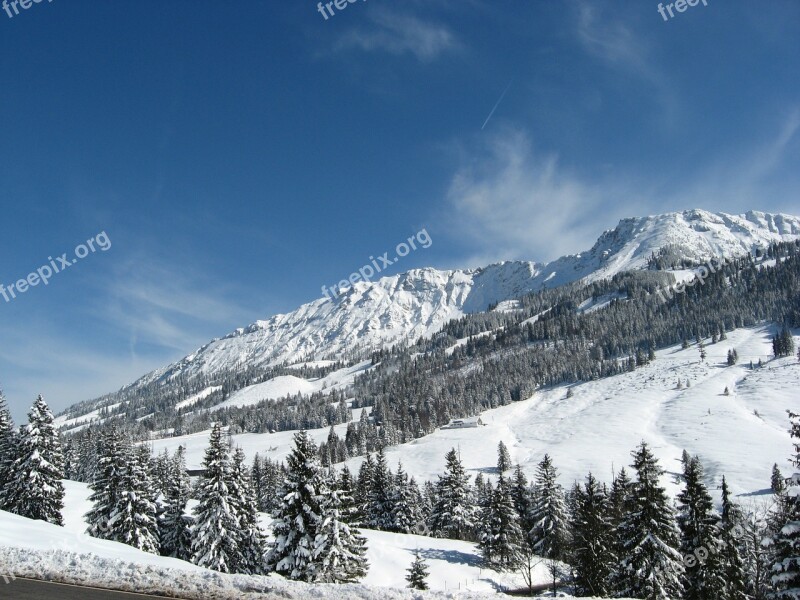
(28, 589)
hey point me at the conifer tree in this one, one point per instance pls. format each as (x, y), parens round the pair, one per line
(134, 518)
(732, 563)
(500, 535)
(243, 501)
(503, 458)
(298, 518)
(216, 540)
(380, 503)
(35, 489)
(404, 502)
(521, 495)
(592, 555)
(701, 539)
(107, 490)
(786, 541)
(363, 488)
(417, 573)
(778, 483)
(8, 446)
(650, 565)
(339, 548)
(174, 524)
(548, 515)
(453, 512)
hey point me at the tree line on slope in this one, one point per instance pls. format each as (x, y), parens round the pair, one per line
(626, 540)
(548, 340)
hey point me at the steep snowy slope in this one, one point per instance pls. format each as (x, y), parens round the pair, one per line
(407, 306)
(741, 435)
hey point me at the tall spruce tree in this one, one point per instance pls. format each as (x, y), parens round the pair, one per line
(134, 518)
(216, 533)
(405, 510)
(381, 496)
(339, 548)
(503, 458)
(786, 542)
(418, 573)
(112, 456)
(592, 549)
(8, 446)
(174, 524)
(701, 537)
(650, 565)
(548, 514)
(453, 512)
(300, 515)
(35, 489)
(252, 545)
(501, 537)
(732, 563)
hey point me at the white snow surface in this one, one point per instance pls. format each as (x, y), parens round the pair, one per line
(39, 550)
(407, 306)
(740, 436)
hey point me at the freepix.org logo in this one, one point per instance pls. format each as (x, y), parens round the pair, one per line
(55, 265)
(15, 5)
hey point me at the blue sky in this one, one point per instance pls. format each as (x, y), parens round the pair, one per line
(240, 155)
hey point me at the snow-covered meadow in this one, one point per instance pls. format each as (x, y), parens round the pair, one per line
(740, 435)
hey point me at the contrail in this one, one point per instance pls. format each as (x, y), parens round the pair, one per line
(503, 95)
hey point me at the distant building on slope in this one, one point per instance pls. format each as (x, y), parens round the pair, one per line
(464, 423)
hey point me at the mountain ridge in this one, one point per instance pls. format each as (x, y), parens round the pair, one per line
(416, 303)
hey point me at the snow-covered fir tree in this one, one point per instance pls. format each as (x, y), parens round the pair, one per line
(216, 536)
(778, 481)
(174, 525)
(786, 542)
(106, 486)
(252, 546)
(730, 555)
(339, 554)
(548, 514)
(501, 537)
(417, 573)
(701, 537)
(134, 518)
(8, 446)
(346, 486)
(380, 506)
(650, 565)
(300, 515)
(592, 541)
(34, 489)
(363, 488)
(503, 458)
(405, 509)
(453, 511)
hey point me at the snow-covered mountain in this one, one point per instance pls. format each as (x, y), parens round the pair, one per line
(417, 303)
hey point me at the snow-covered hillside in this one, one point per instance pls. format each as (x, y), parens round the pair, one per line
(741, 435)
(37, 549)
(410, 305)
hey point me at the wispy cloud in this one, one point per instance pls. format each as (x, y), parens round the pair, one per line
(170, 308)
(602, 32)
(757, 174)
(400, 34)
(511, 202)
